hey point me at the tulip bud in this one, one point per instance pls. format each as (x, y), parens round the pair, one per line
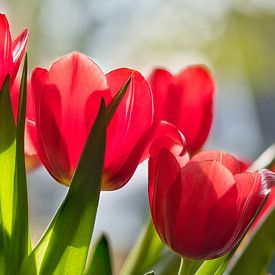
(202, 207)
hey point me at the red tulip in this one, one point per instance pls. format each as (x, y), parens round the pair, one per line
(186, 101)
(31, 157)
(11, 52)
(67, 98)
(202, 207)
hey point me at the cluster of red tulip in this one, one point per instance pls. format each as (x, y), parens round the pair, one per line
(202, 202)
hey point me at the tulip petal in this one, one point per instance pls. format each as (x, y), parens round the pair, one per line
(76, 77)
(163, 171)
(251, 194)
(187, 102)
(63, 98)
(208, 197)
(5, 48)
(18, 50)
(224, 158)
(131, 120)
(165, 134)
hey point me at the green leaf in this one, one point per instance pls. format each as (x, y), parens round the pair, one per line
(64, 246)
(259, 250)
(210, 266)
(101, 259)
(116, 100)
(145, 253)
(20, 238)
(7, 166)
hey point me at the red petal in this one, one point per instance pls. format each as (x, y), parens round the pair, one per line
(164, 134)
(224, 158)
(185, 101)
(5, 48)
(251, 194)
(18, 50)
(61, 97)
(163, 171)
(131, 120)
(200, 228)
(32, 160)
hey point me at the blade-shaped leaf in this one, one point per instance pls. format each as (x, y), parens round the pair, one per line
(64, 246)
(20, 238)
(101, 259)
(116, 100)
(7, 166)
(259, 250)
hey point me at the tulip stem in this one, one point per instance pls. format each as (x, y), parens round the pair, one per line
(186, 267)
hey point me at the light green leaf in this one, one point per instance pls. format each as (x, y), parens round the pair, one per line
(258, 252)
(101, 259)
(20, 238)
(7, 166)
(64, 247)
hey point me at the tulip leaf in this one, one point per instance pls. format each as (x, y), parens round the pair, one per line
(20, 237)
(7, 167)
(64, 246)
(210, 266)
(7, 157)
(101, 260)
(116, 100)
(258, 251)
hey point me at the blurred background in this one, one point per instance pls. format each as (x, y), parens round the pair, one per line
(235, 39)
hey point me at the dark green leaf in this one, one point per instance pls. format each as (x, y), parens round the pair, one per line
(259, 249)
(101, 259)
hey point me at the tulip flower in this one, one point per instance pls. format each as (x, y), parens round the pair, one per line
(67, 98)
(201, 207)
(31, 157)
(186, 101)
(11, 52)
